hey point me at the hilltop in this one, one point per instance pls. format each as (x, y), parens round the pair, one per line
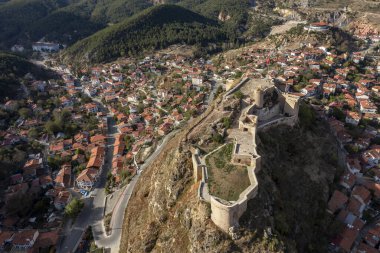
(155, 28)
(168, 196)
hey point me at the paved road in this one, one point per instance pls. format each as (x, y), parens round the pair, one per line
(113, 241)
(93, 209)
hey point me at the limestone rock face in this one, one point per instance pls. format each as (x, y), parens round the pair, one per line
(223, 16)
(165, 215)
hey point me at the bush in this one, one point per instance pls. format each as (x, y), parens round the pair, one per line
(239, 94)
(218, 138)
(74, 207)
(227, 122)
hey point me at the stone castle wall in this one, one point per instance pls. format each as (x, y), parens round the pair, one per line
(226, 214)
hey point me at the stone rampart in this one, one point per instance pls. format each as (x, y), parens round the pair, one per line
(226, 214)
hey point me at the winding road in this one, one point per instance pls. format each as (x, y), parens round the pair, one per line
(93, 211)
(113, 241)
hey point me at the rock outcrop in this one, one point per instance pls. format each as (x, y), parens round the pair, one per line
(165, 215)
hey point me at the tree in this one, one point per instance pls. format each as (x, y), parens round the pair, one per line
(54, 162)
(338, 114)
(33, 133)
(218, 91)
(74, 207)
(227, 122)
(306, 115)
(25, 112)
(52, 127)
(239, 94)
(19, 204)
(218, 138)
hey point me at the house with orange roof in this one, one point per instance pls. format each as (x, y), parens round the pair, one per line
(355, 206)
(353, 118)
(353, 165)
(96, 158)
(91, 108)
(347, 180)
(347, 238)
(5, 239)
(350, 219)
(98, 139)
(62, 199)
(25, 239)
(337, 201)
(362, 194)
(87, 179)
(46, 241)
(364, 248)
(57, 147)
(371, 157)
(367, 106)
(63, 178)
(372, 237)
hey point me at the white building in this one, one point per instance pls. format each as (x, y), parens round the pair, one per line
(17, 48)
(45, 47)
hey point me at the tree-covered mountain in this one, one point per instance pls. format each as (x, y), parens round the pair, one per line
(13, 69)
(154, 28)
(23, 21)
(67, 21)
(17, 15)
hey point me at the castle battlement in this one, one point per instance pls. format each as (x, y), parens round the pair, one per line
(270, 107)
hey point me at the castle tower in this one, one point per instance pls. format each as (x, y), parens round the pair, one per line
(291, 106)
(259, 97)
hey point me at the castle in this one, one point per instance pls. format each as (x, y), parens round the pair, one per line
(266, 106)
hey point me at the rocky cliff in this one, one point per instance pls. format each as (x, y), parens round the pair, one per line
(165, 214)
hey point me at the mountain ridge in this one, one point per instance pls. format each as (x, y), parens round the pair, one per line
(154, 28)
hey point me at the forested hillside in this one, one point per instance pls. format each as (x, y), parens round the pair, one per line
(16, 15)
(154, 28)
(25, 21)
(13, 68)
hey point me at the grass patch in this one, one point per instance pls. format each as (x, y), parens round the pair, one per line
(226, 180)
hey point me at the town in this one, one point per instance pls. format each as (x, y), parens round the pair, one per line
(80, 140)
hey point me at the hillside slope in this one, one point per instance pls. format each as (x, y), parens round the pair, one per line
(165, 215)
(17, 15)
(13, 68)
(155, 28)
(23, 21)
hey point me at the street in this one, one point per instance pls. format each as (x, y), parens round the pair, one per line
(92, 213)
(113, 241)
(93, 209)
